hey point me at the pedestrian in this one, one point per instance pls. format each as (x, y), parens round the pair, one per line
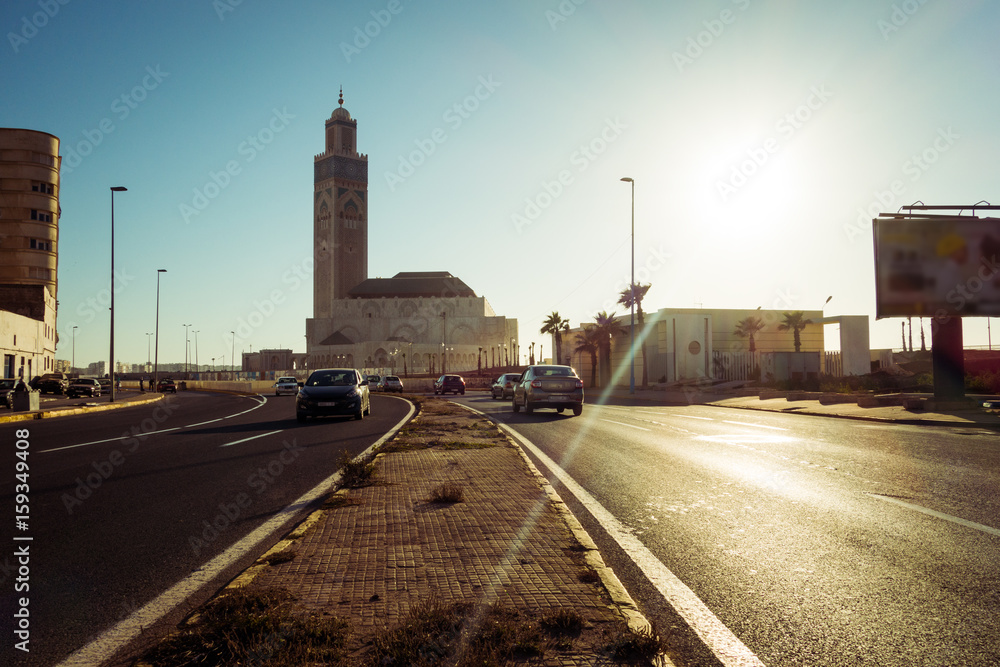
(140, 386)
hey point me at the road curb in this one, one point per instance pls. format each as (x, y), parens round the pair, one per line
(879, 420)
(622, 601)
(66, 412)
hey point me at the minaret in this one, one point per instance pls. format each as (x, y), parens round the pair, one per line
(340, 213)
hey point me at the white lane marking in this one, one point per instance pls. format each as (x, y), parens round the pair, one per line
(939, 515)
(97, 442)
(726, 646)
(252, 437)
(153, 432)
(641, 428)
(773, 428)
(210, 421)
(708, 419)
(102, 648)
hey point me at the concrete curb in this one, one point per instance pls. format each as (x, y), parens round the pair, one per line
(868, 418)
(65, 412)
(622, 602)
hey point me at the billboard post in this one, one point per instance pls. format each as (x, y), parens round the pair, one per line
(947, 359)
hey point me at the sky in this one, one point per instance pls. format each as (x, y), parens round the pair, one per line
(762, 138)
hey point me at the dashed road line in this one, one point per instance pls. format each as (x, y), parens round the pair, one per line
(939, 515)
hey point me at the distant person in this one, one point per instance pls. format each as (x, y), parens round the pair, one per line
(20, 386)
(141, 389)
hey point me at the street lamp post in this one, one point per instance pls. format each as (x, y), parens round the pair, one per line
(148, 358)
(233, 359)
(186, 341)
(631, 287)
(156, 349)
(196, 369)
(73, 364)
(111, 372)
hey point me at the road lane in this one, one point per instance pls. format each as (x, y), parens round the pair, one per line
(775, 523)
(116, 521)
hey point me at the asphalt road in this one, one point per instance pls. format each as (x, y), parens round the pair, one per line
(124, 504)
(815, 541)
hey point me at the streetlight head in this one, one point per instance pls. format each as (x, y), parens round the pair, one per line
(119, 188)
(161, 270)
(628, 180)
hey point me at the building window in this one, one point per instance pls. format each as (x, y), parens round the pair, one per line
(44, 188)
(38, 244)
(41, 215)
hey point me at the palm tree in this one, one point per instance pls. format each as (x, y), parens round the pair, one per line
(607, 328)
(586, 341)
(555, 324)
(635, 294)
(795, 323)
(748, 328)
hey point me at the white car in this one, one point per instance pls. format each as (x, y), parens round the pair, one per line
(286, 385)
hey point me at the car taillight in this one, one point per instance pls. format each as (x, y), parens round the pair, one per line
(537, 384)
(579, 384)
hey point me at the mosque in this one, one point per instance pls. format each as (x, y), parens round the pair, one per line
(415, 322)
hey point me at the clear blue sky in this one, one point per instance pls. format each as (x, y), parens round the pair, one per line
(757, 133)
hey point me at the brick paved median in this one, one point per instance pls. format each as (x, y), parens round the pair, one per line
(378, 552)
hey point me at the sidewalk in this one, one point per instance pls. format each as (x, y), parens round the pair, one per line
(922, 410)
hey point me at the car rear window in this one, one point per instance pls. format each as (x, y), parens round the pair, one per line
(331, 379)
(558, 371)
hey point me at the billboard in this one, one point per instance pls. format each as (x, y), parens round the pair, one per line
(937, 266)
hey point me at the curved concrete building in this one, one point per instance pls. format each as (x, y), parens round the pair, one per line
(29, 208)
(29, 239)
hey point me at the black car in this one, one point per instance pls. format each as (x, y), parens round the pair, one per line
(52, 383)
(333, 391)
(449, 383)
(166, 384)
(7, 392)
(84, 387)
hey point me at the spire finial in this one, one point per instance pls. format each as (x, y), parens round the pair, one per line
(341, 96)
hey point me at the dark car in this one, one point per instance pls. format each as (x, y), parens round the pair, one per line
(166, 384)
(449, 383)
(503, 386)
(333, 391)
(52, 383)
(7, 391)
(105, 385)
(373, 381)
(84, 387)
(556, 387)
